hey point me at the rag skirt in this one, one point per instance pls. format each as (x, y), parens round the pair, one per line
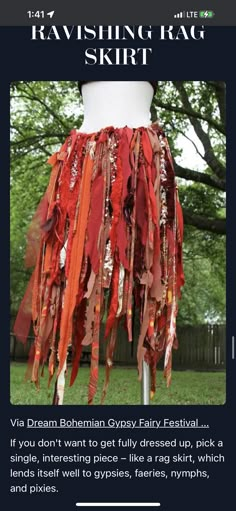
(105, 243)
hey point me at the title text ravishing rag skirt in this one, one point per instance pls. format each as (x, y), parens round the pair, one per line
(105, 241)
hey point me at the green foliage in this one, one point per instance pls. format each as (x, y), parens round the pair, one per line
(42, 115)
(203, 297)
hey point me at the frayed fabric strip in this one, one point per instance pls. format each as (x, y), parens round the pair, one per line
(105, 242)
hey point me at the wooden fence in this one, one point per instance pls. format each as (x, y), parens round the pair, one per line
(201, 347)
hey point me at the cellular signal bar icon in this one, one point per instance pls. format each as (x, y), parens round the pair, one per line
(180, 15)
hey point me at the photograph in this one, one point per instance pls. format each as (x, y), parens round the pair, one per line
(118, 242)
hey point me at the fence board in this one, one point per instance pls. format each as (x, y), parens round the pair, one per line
(201, 347)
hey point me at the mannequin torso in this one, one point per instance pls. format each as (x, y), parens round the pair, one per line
(117, 104)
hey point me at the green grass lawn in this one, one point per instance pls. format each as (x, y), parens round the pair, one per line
(187, 388)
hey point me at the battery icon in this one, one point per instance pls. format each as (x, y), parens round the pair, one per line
(206, 14)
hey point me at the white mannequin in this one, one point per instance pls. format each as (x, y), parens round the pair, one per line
(117, 104)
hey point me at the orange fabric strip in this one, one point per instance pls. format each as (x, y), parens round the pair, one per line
(76, 262)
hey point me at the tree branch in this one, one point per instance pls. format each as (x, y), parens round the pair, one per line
(37, 138)
(21, 154)
(199, 177)
(216, 225)
(209, 156)
(47, 108)
(220, 90)
(190, 140)
(190, 113)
